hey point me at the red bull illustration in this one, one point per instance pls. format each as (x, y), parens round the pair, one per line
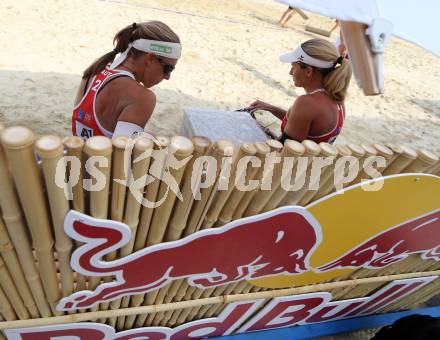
(371, 229)
(419, 235)
(273, 243)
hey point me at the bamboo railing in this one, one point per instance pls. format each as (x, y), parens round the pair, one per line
(35, 252)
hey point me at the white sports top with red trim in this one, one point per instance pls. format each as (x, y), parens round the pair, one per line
(85, 122)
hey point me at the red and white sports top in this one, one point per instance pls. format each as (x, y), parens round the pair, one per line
(328, 137)
(85, 122)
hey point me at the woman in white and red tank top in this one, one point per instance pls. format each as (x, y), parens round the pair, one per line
(325, 76)
(113, 98)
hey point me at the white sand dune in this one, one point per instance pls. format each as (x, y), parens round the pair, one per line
(230, 57)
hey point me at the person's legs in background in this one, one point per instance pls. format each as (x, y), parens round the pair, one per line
(287, 15)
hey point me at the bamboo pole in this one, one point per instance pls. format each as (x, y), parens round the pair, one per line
(143, 147)
(74, 146)
(435, 168)
(246, 149)
(386, 153)
(226, 214)
(120, 167)
(18, 143)
(7, 284)
(274, 145)
(261, 198)
(180, 148)
(98, 151)
(311, 150)
(159, 296)
(327, 150)
(405, 156)
(50, 149)
(364, 290)
(142, 152)
(291, 150)
(262, 151)
(370, 151)
(5, 307)
(119, 171)
(72, 318)
(222, 149)
(424, 160)
(13, 266)
(179, 219)
(343, 151)
(397, 150)
(151, 194)
(13, 219)
(181, 211)
(160, 154)
(209, 311)
(275, 148)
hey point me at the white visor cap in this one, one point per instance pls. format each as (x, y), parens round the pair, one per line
(300, 55)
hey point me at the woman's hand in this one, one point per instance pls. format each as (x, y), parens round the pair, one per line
(260, 105)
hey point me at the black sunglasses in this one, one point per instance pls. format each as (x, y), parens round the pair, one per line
(167, 68)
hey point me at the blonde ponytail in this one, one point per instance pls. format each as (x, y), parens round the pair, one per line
(337, 79)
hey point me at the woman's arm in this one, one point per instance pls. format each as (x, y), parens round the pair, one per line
(300, 119)
(275, 110)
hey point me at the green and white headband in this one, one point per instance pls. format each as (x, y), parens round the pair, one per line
(161, 48)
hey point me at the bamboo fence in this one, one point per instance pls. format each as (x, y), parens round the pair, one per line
(35, 195)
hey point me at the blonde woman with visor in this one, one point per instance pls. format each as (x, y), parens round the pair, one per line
(114, 98)
(325, 76)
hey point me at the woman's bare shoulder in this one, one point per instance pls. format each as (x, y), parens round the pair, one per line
(136, 101)
(304, 104)
(128, 90)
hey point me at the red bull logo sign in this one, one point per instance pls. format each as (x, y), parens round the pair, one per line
(240, 317)
(289, 245)
(273, 243)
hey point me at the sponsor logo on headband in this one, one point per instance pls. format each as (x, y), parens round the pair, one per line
(161, 48)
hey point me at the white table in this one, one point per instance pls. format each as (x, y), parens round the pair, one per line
(237, 127)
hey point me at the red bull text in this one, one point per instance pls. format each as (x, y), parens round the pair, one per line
(286, 311)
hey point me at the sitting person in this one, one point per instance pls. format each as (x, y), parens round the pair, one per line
(113, 98)
(318, 115)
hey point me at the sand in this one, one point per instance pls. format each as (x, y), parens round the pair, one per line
(230, 58)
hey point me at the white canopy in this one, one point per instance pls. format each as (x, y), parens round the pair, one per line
(415, 21)
(367, 25)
